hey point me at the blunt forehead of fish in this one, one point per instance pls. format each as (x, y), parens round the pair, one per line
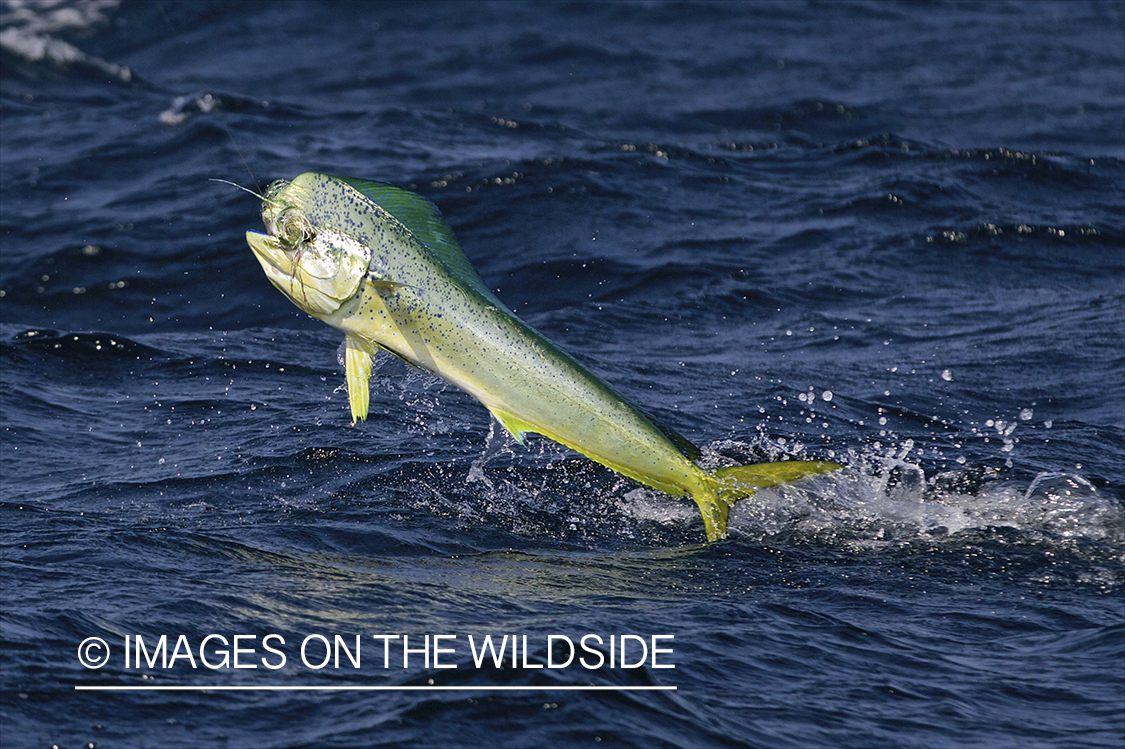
(282, 194)
(274, 200)
(276, 188)
(334, 207)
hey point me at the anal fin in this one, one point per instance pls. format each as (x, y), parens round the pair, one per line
(516, 426)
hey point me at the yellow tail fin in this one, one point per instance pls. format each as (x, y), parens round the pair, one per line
(728, 485)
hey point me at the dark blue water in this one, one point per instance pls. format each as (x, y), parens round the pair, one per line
(887, 234)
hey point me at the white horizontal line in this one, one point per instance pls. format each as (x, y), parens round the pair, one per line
(154, 688)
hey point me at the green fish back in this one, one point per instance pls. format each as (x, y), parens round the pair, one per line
(423, 219)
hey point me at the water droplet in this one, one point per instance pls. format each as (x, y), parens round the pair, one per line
(946, 375)
(826, 395)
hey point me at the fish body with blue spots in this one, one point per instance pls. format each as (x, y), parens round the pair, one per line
(380, 264)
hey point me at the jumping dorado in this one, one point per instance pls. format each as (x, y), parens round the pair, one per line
(381, 264)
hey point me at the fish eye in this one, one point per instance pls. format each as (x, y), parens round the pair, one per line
(294, 228)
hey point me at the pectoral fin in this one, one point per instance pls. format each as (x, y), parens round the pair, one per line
(357, 365)
(384, 285)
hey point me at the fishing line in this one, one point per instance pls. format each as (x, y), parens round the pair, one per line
(260, 197)
(222, 119)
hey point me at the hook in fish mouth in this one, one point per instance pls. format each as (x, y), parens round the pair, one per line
(281, 249)
(275, 260)
(291, 272)
(316, 266)
(280, 261)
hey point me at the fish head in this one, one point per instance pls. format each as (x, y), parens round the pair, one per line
(314, 264)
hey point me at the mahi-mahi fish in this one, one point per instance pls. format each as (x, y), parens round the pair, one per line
(380, 264)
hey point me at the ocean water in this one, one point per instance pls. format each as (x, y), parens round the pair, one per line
(888, 234)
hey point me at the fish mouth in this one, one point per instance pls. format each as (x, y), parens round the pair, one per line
(284, 267)
(276, 262)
